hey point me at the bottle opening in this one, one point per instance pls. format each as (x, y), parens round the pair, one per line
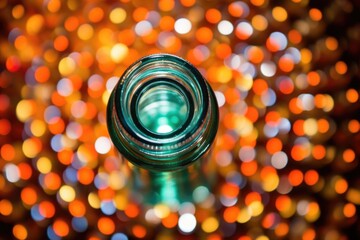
(162, 107)
(162, 114)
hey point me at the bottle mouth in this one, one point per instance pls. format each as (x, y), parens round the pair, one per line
(161, 101)
(161, 109)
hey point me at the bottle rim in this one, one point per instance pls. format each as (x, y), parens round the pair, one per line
(145, 148)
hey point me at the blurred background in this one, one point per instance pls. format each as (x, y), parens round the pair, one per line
(286, 77)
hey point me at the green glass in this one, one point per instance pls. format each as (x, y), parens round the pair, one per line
(163, 117)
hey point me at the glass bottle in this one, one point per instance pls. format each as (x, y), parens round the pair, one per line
(162, 117)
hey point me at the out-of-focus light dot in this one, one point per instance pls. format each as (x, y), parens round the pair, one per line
(182, 25)
(117, 15)
(56, 142)
(315, 14)
(67, 66)
(279, 14)
(295, 177)
(311, 177)
(13, 63)
(200, 194)
(348, 155)
(29, 196)
(270, 181)
(341, 67)
(108, 207)
(245, 82)
(161, 210)
(268, 98)
(213, 15)
(259, 22)
(44, 165)
(24, 109)
(210, 225)
(187, 223)
(224, 74)
(79, 224)
(243, 30)
(117, 180)
(46, 209)
(310, 127)
(77, 208)
(96, 14)
(306, 55)
(353, 126)
(223, 158)
(31, 147)
(118, 52)
(53, 5)
(139, 231)
(313, 212)
(111, 83)
(244, 215)
(220, 98)
(37, 127)
(61, 228)
(85, 31)
(4, 102)
(70, 175)
(306, 102)
(268, 69)
(341, 186)
(294, 36)
(166, 5)
(352, 95)
(256, 208)
(65, 87)
(101, 180)
(18, 11)
(6, 207)
(187, 207)
(331, 43)
(247, 154)
(74, 130)
(61, 43)
(34, 24)
(277, 41)
(349, 210)
(51, 234)
(102, 145)
(67, 193)
(78, 109)
(119, 236)
(20, 232)
(285, 85)
(106, 225)
(225, 27)
(279, 160)
(94, 200)
(5, 127)
(35, 214)
(143, 28)
(153, 17)
(7, 152)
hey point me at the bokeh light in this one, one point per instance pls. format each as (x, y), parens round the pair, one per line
(286, 157)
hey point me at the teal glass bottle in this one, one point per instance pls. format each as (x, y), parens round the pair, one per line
(162, 117)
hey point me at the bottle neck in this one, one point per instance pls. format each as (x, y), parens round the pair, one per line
(162, 114)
